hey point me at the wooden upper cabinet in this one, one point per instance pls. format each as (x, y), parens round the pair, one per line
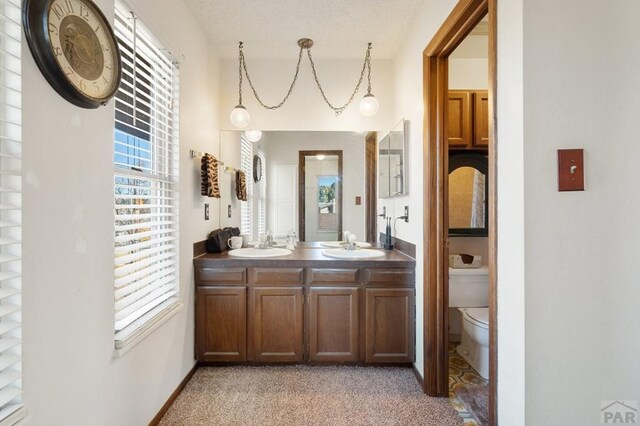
(390, 325)
(221, 324)
(481, 119)
(468, 116)
(276, 324)
(460, 121)
(333, 324)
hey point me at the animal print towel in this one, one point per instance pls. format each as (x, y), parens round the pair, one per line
(241, 185)
(209, 174)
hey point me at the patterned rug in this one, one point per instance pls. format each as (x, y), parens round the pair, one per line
(462, 376)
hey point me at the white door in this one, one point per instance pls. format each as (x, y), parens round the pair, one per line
(283, 200)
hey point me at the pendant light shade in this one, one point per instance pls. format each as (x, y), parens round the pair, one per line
(240, 117)
(369, 105)
(253, 135)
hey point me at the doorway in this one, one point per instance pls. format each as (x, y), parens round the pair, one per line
(320, 195)
(464, 17)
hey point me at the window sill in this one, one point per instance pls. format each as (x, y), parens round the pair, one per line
(122, 346)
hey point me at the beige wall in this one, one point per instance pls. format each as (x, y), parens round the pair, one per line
(70, 374)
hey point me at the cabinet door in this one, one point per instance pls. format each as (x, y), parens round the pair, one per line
(481, 119)
(460, 121)
(221, 324)
(276, 324)
(390, 325)
(333, 324)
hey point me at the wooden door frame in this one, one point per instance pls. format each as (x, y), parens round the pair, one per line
(463, 18)
(301, 192)
(371, 186)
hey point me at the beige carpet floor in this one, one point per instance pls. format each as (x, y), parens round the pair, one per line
(305, 395)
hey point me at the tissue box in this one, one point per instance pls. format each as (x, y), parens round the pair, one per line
(465, 261)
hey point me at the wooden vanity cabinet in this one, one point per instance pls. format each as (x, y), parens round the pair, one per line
(468, 119)
(276, 324)
(221, 324)
(310, 314)
(390, 325)
(334, 324)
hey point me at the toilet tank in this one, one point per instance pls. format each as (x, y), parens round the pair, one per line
(469, 288)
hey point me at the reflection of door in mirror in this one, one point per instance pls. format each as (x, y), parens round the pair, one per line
(466, 198)
(322, 210)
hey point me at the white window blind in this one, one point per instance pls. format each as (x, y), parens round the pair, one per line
(11, 407)
(246, 207)
(262, 195)
(146, 182)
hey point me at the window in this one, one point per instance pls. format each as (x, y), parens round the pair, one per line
(246, 207)
(11, 407)
(262, 196)
(145, 184)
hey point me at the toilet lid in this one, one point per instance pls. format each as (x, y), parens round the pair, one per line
(480, 315)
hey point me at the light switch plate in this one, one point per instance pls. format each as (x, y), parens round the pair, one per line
(206, 211)
(570, 170)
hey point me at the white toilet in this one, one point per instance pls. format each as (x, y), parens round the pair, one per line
(469, 292)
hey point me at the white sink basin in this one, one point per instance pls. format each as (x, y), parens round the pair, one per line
(353, 254)
(340, 244)
(259, 253)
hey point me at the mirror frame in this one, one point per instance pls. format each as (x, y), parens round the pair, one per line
(479, 162)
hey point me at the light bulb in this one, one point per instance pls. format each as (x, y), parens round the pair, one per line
(253, 135)
(369, 105)
(240, 117)
(320, 157)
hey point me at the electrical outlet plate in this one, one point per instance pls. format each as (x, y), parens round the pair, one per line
(406, 214)
(229, 210)
(206, 211)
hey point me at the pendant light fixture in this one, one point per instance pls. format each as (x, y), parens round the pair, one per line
(253, 135)
(369, 105)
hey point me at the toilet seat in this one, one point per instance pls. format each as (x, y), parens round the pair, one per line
(477, 316)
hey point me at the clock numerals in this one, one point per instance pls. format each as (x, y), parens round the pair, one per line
(58, 51)
(84, 12)
(96, 86)
(105, 47)
(68, 6)
(108, 66)
(105, 79)
(57, 10)
(83, 85)
(68, 71)
(53, 29)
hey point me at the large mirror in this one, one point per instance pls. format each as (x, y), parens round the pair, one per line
(392, 181)
(311, 182)
(468, 195)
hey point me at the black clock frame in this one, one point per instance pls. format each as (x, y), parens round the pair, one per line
(35, 23)
(257, 168)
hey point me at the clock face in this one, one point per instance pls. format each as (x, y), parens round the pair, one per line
(75, 48)
(83, 47)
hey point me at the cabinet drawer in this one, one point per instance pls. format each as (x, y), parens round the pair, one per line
(277, 275)
(207, 276)
(389, 277)
(333, 276)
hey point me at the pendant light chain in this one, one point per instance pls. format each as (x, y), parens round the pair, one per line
(340, 110)
(243, 65)
(366, 67)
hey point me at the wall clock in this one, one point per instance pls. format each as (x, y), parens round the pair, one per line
(75, 48)
(257, 168)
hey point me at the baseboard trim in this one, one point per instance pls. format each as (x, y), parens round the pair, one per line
(418, 377)
(174, 395)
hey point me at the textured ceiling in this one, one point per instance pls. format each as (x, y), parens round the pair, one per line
(271, 28)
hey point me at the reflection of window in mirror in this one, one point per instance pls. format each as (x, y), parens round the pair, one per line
(467, 194)
(327, 205)
(466, 198)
